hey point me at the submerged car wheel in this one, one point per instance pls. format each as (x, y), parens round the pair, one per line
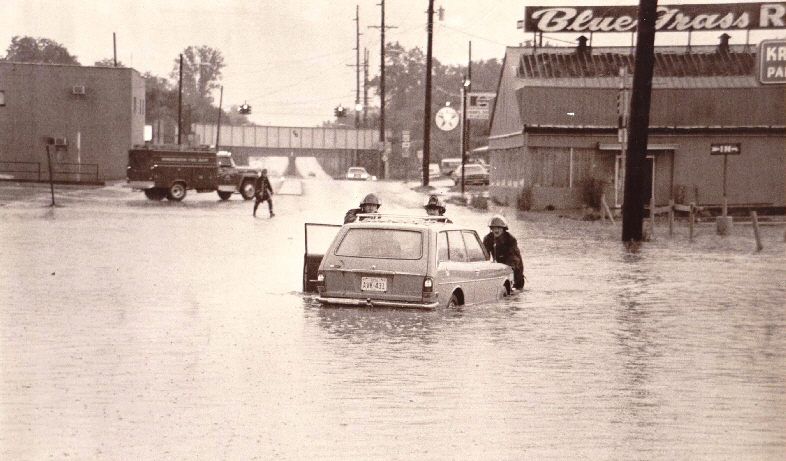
(177, 192)
(454, 302)
(247, 190)
(225, 195)
(155, 193)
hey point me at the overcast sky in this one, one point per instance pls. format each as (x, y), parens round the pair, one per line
(290, 59)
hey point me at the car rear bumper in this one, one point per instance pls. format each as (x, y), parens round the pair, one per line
(375, 303)
(227, 188)
(141, 185)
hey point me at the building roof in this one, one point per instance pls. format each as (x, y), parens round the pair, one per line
(706, 61)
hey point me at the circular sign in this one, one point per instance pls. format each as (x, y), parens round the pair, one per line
(447, 118)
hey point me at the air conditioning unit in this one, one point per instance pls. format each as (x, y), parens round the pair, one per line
(61, 142)
(78, 89)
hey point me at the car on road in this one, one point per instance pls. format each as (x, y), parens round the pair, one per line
(474, 173)
(448, 165)
(404, 262)
(358, 172)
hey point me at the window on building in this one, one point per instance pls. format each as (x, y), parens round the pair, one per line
(2, 98)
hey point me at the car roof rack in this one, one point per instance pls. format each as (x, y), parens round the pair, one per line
(400, 218)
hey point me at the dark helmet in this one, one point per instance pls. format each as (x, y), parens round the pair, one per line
(498, 221)
(371, 199)
(434, 203)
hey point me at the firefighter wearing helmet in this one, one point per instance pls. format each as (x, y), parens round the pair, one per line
(503, 248)
(370, 204)
(434, 207)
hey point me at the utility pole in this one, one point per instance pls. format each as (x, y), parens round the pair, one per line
(427, 110)
(382, 28)
(218, 129)
(465, 123)
(114, 47)
(365, 87)
(636, 157)
(180, 101)
(357, 65)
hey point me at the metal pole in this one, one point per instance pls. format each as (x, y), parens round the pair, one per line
(463, 136)
(218, 128)
(635, 168)
(725, 169)
(51, 180)
(114, 47)
(180, 100)
(427, 109)
(382, 81)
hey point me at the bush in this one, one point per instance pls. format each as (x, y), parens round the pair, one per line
(480, 202)
(524, 200)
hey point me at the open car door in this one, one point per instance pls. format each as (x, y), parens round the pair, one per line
(318, 238)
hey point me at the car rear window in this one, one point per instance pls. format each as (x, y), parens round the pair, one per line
(381, 243)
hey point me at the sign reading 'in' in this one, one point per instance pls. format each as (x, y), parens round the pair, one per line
(725, 149)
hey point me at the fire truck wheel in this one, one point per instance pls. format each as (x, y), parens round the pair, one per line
(225, 195)
(156, 193)
(177, 192)
(247, 190)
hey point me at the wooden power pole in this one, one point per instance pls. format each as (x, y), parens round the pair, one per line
(636, 161)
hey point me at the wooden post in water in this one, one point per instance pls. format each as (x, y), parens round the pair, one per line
(671, 218)
(652, 218)
(759, 246)
(690, 220)
(606, 208)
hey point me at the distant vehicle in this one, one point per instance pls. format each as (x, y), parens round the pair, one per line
(169, 171)
(433, 171)
(402, 262)
(473, 174)
(360, 173)
(447, 165)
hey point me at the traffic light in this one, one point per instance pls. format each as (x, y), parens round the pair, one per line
(245, 109)
(340, 111)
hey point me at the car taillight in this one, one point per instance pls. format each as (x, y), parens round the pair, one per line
(428, 284)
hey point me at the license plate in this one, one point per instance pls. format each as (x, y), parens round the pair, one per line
(373, 284)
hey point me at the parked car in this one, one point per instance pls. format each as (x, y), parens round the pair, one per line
(433, 171)
(358, 172)
(448, 165)
(404, 262)
(473, 174)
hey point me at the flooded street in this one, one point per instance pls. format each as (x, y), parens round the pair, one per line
(134, 330)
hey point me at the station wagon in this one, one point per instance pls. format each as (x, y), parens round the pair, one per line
(406, 262)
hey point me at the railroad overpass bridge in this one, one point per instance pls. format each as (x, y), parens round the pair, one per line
(335, 149)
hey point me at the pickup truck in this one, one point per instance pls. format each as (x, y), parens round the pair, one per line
(169, 171)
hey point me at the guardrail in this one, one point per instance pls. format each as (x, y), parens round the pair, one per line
(62, 172)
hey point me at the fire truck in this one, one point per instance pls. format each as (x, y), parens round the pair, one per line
(169, 171)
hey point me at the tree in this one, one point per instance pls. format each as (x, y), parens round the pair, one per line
(405, 74)
(201, 74)
(108, 62)
(38, 50)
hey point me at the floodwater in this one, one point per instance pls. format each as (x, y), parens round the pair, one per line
(137, 330)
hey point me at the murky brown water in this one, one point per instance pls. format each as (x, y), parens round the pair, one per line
(136, 330)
